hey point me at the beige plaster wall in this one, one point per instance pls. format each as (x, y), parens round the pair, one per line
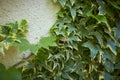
(40, 14)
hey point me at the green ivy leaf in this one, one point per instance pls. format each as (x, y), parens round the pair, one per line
(100, 19)
(73, 13)
(66, 76)
(72, 2)
(99, 38)
(101, 8)
(55, 65)
(107, 76)
(117, 30)
(109, 66)
(62, 2)
(45, 42)
(71, 29)
(74, 38)
(67, 55)
(14, 26)
(93, 48)
(23, 24)
(34, 48)
(112, 46)
(117, 33)
(58, 76)
(24, 45)
(107, 56)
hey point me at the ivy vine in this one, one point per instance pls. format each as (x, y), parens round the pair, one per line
(11, 33)
(14, 34)
(88, 43)
(85, 44)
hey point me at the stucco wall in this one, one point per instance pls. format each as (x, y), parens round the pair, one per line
(40, 14)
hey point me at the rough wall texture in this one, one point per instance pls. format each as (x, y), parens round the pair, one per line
(40, 14)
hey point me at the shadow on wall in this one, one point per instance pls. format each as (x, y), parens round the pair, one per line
(40, 14)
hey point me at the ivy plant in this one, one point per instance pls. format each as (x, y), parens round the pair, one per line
(11, 33)
(14, 34)
(88, 43)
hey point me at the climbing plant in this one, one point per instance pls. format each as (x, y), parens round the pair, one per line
(87, 35)
(11, 33)
(14, 34)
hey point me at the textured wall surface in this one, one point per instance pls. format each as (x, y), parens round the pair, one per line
(40, 14)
